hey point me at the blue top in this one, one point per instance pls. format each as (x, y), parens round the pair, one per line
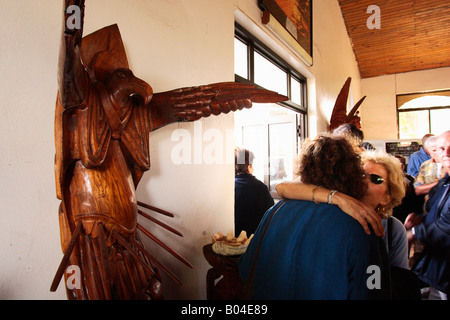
(315, 251)
(415, 160)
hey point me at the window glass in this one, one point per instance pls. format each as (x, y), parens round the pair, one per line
(282, 148)
(422, 113)
(413, 124)
(269, 131)
(426, 102)
(439, 119)
(273, 132)
(270, 76)
(253, 139)
(240, 58)
(296, 91)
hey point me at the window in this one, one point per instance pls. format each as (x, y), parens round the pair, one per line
(422, 113)
(273, 132)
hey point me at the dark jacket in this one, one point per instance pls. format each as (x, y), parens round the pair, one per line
(251, 200)
(433, 266)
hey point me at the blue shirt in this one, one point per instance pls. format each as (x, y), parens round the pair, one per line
(314, 251)
(415, 160)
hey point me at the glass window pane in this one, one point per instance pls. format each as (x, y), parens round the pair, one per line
(240, 58)
(426, 102)
(439, 120)
(413, 124)
(282, 147)
(253, 140)
(296, 92)
(269, 76)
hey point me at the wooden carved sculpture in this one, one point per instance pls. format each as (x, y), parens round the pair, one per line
(339, 115)
(103, 118)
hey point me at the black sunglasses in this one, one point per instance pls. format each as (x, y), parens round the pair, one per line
(375, 179)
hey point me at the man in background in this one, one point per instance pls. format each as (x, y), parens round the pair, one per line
(418, 157)
(433, 266)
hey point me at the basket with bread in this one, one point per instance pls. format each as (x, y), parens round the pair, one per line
(230, 245)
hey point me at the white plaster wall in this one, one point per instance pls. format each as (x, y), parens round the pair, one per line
(29, 236)
(334, 61)
(379, 110)
(170, 44)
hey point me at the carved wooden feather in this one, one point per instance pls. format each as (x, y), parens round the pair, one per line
(339, 115)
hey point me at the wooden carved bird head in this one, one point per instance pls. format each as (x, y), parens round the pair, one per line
(103, 55)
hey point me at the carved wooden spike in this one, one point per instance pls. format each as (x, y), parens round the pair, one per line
(105, 268)
(162, 244)
(160, 223)
(65, 260)
(158, 265)
(166, 213)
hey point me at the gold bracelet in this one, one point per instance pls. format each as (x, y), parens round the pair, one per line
(313, 192)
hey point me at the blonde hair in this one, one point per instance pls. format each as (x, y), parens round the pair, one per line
(396, 186)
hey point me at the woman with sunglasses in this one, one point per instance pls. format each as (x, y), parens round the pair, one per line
(385, 190)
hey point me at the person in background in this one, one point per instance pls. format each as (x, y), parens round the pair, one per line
(251, 196)
(427, 178)
(430, 170)
(411, 202)
(418, 157)
(433, 266)
(368, 146)
(313, 250)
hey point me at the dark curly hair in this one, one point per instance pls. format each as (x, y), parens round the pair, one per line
(332, 162)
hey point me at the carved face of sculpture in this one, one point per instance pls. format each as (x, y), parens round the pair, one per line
(124, 85)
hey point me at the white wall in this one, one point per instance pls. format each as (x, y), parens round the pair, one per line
(379, 110)
(334, 61)
(170, 44)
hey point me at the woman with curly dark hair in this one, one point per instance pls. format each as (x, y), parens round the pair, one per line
(333, 163)
(311, 250)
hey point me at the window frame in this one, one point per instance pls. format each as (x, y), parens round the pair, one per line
(428, 109)
(301, 110)
(253, 44)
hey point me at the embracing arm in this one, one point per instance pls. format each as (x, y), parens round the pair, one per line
(358, 210)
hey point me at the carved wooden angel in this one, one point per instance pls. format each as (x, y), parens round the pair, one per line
(103, 118)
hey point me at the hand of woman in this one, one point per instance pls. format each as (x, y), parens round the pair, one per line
(361, 212)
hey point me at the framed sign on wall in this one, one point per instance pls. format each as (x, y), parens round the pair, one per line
(291, 21)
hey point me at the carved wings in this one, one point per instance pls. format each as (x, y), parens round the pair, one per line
(339, 115)
(193, 103)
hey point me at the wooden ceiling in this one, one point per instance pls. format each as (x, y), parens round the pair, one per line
(413, 35)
